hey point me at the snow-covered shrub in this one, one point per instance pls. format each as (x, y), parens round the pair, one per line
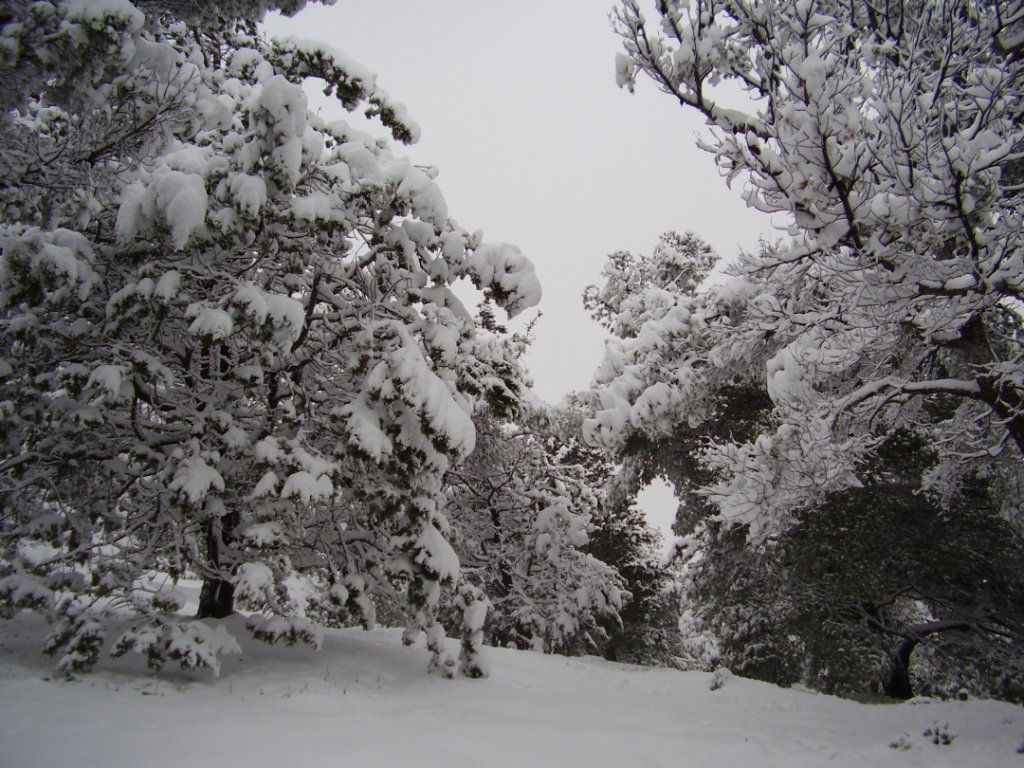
(720, 678)
(939, 734)
(191, 644)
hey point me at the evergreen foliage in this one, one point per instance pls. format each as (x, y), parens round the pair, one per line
(229, 342)
(523, 512)
(841, 599)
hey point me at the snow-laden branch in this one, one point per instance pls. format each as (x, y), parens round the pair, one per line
(890, 144)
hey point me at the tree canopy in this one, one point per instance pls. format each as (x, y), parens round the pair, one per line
(230, 347)
(888, 141)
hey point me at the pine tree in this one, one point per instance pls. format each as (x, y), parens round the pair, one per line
(645, 631)
(842, 594)
(862, 596)
(229, 342)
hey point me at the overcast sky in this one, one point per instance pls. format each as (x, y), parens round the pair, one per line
(536, 145)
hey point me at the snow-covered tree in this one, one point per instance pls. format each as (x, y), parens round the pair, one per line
(877, 591)
(683, 367)
(888, 140)
(645, 630)
(229, 342)
(841, 601)
(522, 514)
(629, 297)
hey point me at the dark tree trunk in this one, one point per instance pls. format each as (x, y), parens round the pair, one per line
(898, 684)
(997, 392)
(217, 597)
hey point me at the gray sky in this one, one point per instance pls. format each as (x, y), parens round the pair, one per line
(536, 145)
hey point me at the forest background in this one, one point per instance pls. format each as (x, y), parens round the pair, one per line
(235, 349)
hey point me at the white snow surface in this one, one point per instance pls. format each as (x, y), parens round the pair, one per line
(365, 700)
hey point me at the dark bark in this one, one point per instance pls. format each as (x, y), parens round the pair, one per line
(898, 685)
(998, 392)
(217, 597)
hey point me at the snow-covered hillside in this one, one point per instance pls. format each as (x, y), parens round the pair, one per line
(365, 700)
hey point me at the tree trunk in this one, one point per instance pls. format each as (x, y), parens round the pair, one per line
(997, 392)
(898, 685)
(217, 597)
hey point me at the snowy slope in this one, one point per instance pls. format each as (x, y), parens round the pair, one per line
(365, 700)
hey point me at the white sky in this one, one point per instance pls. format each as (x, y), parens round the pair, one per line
(536, 145)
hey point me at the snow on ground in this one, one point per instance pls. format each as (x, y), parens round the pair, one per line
(365, 700)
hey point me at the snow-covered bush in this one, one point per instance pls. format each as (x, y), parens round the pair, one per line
(878, 592)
